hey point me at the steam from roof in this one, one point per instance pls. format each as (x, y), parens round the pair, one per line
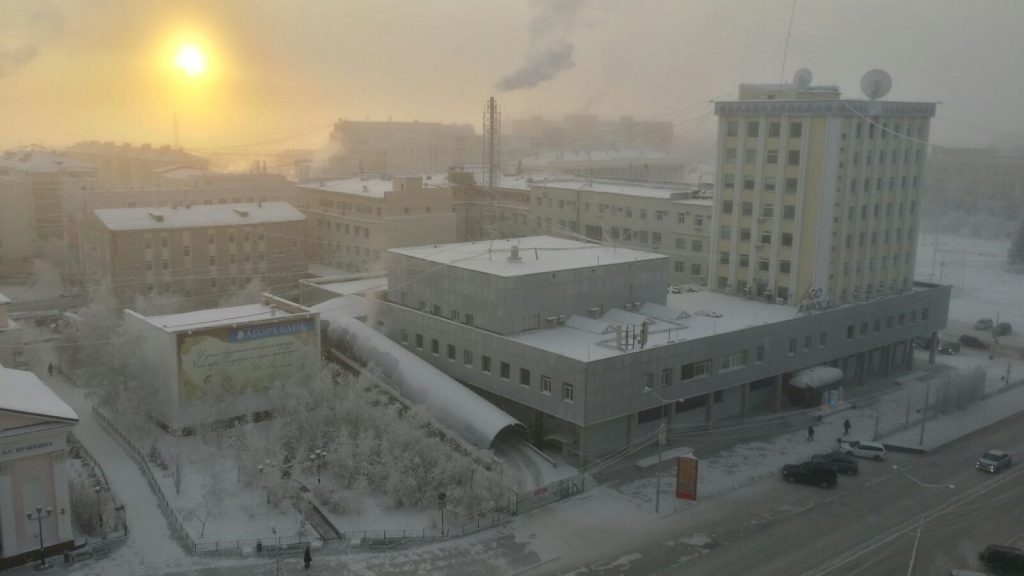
(46, 22)
(550, 53)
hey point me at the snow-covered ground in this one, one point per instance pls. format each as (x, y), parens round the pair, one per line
(45, 283)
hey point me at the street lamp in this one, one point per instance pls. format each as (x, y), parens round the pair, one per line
(39, 515)
(662, 433)
(318, 458)
(99, 513)
(124, 519)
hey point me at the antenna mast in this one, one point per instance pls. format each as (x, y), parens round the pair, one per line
(785, 52)
(492, 143)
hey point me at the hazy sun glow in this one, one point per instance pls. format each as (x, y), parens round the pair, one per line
(191, 59)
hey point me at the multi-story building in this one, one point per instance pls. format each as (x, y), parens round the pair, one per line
(202, 252)
(673, 220)
(32, 188)
(818, 196)
(574, 132)
(352, 222)
(399, 147)
(582, 344)
(629, 165)
(128, 166)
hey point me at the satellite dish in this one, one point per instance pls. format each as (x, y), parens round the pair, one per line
(803, 78)
(876, 84)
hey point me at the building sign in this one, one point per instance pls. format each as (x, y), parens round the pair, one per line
(30, 447)
(686, 478)
(246, 359)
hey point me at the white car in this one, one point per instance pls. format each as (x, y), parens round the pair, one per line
(863, 449)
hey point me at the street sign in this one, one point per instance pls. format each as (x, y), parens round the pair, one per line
(686, 478)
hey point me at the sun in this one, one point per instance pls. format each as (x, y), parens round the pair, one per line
(191, 59)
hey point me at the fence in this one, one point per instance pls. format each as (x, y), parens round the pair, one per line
(177, 528)
(268, 545)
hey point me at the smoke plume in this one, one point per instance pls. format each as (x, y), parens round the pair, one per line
(14, 58)
(45, 22)
(550, 53)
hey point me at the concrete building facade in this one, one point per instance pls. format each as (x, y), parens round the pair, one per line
(818, 196)
(352, 222)
(202, 252)
(579, 341)
(127, 166)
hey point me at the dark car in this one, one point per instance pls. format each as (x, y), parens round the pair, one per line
(993, 461)
(983, 324)
(1002, 329)
(923, 342)
(814, 473)
(973, 342)
(841, 463)
(1003, 559)
(948, 348)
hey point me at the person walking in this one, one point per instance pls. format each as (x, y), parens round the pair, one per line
(307, 558)
(49, 368)
(846, 427)
(810, 433)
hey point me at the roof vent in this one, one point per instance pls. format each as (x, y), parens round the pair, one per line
(242, 212)
(156, 216)
(513, 256)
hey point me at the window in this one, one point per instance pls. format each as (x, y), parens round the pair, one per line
(789, 212)
(745, 234)
(748, 182)
(467, 358)
(767, 210)
(863, 328)
(877, 324)
(795, 129)
(793, 157)
(774, 129)
(524, 377)
(791, 185)
(696, 269)
(732, 128)
(485, 364)
(851, 331)
(772, 157)
(451, 352)
(769, 183)
(419, 341)
(656, 238)
(403, 335)
(730, 182)
(748, 208)
(723, 257)
(763, 265)
(924, 313)
(163, 241)
(695, 370)
(545, 384)
(726, 233)
(787, 239)
(697, 245)
(749, 155)
(752, 128)
(148, 242)
(186, 251)
(902, 319)
(213, 260)
(149, 266)
(784, 266)
(822, 339)
(648, 380)
(679, 267)
(727, 206)
(505, 370)
(808, 341)
(744, 260)
(568, 392)
(435, 346)
(681, 216)
(733, 361)
(213, 282)
(792, 345)
(759, 354)
(666, 377)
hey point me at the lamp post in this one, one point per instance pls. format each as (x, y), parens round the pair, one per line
(99, 514)
(318, 458)
(124, 519)
(662, 436)
(38, 516)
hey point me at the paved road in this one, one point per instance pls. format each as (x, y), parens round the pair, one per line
(866, 526)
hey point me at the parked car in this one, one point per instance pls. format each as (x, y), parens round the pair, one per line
(983, 324)
(863, 449)
(838, 461)
(1003, 559)
(1003, 329)
(923, 342)
(973, 342)
(993, 461)
(948, 348)
(814, 473)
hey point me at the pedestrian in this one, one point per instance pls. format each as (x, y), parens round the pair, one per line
(307, 558)
(49, 368)
(259, 546)
(846, 427)
(810, 433)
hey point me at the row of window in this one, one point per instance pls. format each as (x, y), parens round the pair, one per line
(357, 231)
(887, 237)
(876, 324)
(767, 183)
(732, 129)
(232, 237)
(436, 309)
(762, 263)
(486, 365)
(860, 129)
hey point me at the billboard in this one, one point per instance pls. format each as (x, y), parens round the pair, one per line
(247, 358)
(686, 478)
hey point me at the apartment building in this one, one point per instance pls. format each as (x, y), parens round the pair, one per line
(33, 184)
(128, 166)
(352, 222)
(202, 252)
(818, 196)
(399, 147)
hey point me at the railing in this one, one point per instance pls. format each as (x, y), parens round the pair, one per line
(177, 527)
(277, 544)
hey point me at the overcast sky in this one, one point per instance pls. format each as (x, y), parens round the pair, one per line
(282, 70)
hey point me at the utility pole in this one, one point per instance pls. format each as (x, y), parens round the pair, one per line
(661, 447)
(924, 413)
(176, 130)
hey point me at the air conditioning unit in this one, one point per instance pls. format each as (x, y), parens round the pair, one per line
(594, 311)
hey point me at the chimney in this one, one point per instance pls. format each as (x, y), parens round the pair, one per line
(514, 254)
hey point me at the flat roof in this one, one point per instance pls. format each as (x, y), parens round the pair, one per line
(23, 392)
(29, 160)
(639, 189)
(537, 254)
(198, 216)
(215, 317)
(350, 287)
(688, 316)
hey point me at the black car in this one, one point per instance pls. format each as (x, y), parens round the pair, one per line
(1002, 329)
(841, 463)
(948, 348)
(973, 342)
(814, 473)
(1003, 559)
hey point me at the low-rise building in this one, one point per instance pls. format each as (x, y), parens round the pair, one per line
(581, 342)
(352, 222)
(127, 166)
(219, 364)
(34, 423)
(202, 252)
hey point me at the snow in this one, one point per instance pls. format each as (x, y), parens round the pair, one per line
(344, 306)
(24, 392)
(368, 187)
(46, 283)
(4, 299)
(218, 317)
(538, 254)
(198, 216)
(42, 161)
(349, 287)
(645, 190)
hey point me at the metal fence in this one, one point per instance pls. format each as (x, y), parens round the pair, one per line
(276, 544)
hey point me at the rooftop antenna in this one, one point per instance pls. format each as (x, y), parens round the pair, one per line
(803, 78)
(785, 52)
(876, 83)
